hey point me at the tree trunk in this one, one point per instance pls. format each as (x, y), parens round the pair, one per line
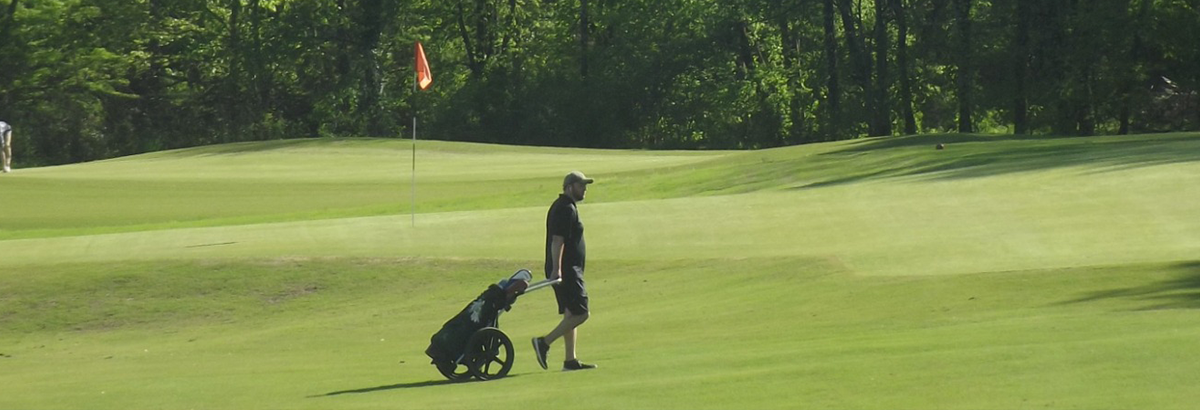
(11, 13)
(745, 51)
(832, 91)
(484, 44)
(342, 42)
(791, 59)
(472, 58)
(235, 12)
(881, 120)
(906, 97)
(583, 38)
(1135, 58)
(233, 91)
(791, 48)
(512, 31)
(6, 21)
(263, 83)
(155, 71)
(149, 87)
(962, 18)
(1085, 113)
(370, 23)
(859, 56)
(1021, 69)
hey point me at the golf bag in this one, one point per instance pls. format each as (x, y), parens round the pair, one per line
(449, 343)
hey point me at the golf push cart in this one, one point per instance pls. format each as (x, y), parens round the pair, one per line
(471, 343)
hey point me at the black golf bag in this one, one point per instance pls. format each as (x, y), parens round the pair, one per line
(471, 344)
(449, 343)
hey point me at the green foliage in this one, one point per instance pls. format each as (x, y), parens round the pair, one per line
(90, 79)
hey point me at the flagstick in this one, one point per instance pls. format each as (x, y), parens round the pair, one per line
(416, 78)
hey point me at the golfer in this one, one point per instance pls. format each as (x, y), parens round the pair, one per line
(6, 146)
(565, 256)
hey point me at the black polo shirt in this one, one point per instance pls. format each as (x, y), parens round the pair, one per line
(563, 220)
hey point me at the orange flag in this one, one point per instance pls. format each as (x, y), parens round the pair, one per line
(424, 76)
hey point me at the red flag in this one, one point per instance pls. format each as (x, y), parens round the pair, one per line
(424, 76)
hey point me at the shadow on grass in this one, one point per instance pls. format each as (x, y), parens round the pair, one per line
(429, 383)
(1182, 292)
(950, 139)
(252, 147)
(1035, 153)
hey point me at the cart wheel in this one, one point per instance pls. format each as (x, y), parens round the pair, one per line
(454, 371)
(490, 353)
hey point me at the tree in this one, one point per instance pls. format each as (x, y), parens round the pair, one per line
(962, 21)
(881, 122)
(860, 58)
(583, 38)
(1020, 63)
(832, 91)
(89, 79)
(902, 60)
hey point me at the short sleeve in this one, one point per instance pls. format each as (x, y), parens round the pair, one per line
(562, 220)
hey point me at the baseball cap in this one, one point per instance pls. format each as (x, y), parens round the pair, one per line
(576, 176)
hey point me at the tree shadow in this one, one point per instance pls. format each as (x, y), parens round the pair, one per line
(1182, 292)
(250, 147)
(929, 140)
(1101, 154)
(428, 383)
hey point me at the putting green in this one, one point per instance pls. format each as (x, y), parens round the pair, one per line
(997, 273)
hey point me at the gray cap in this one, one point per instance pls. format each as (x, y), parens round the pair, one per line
(576, 176)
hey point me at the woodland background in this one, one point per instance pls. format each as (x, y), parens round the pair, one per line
(90, 79)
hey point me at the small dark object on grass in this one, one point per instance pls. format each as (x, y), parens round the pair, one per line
(941, 146)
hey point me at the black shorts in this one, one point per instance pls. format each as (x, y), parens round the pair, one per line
(571, 293)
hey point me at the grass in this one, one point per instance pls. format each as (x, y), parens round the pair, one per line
(998, 273)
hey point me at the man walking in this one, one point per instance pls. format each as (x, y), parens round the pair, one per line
(6, 146)
(566, 253)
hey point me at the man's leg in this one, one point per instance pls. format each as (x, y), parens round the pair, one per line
(569, 339)
(567, 327)
(573, 303)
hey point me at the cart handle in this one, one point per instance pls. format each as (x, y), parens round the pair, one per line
(538, 285)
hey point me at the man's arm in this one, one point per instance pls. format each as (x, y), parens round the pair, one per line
(557, 244)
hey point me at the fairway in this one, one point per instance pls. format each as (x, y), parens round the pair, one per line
(1002, 272)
